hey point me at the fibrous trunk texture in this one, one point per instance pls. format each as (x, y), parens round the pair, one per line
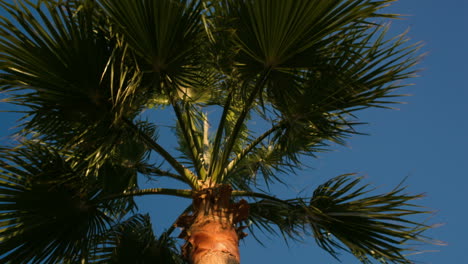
(211, 232)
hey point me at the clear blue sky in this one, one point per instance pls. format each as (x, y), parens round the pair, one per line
(427, 140)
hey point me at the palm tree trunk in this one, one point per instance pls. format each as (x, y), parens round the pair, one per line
(211, 232)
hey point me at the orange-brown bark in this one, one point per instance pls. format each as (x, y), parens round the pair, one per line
(211, 232)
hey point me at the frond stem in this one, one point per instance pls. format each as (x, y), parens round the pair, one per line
(159, 172)
(219, 133)
(151, 191)
(245, 110)
(186, 125)
(192, 179)
(250, 147)
(256, 195)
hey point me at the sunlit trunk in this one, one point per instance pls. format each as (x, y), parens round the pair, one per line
(211, 232)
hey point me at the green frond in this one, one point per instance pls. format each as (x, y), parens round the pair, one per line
(363, 70)
(343, 214)
(235, 110)
(265, 163)
(231, 127)
(133, 241)
(151, 191)
(151, 170)
(165, 37)
(277, 217)
(186, 175)
(234, 126)
(283, 33)
(49, 210)
(119, 171)
(69, 98)
(270, 156)
(377, 226)
(190, 134)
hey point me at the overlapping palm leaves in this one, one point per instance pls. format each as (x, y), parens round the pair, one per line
(49, 211)
(133, 241)
(83, 70)
(56, 56)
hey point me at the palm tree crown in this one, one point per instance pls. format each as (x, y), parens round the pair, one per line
(83, 71)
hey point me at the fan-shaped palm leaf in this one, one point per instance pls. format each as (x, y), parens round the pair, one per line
(340, 216)
(302, 29)
(49, 210)
(55, 56)
(133, 241)
(165, 37)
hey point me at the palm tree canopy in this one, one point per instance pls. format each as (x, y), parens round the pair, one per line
(84, 71)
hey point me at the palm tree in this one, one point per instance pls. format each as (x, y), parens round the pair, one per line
(83, 72)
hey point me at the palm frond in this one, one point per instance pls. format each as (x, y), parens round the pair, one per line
(275, 153)
(165, 37)
(340, 216)
(265, 163)
(376, 226)
(277, 217)
(69, 97)
(300, 28)
(187, 175)
(133, 241)
(49, 211)
(318, 105)
(362, 68)
(190, 134)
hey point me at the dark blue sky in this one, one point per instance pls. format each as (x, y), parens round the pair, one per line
(426, 140)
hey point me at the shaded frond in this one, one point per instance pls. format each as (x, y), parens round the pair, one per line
(165, 37)
(49, 210)
(55, 58)
(133, 241)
